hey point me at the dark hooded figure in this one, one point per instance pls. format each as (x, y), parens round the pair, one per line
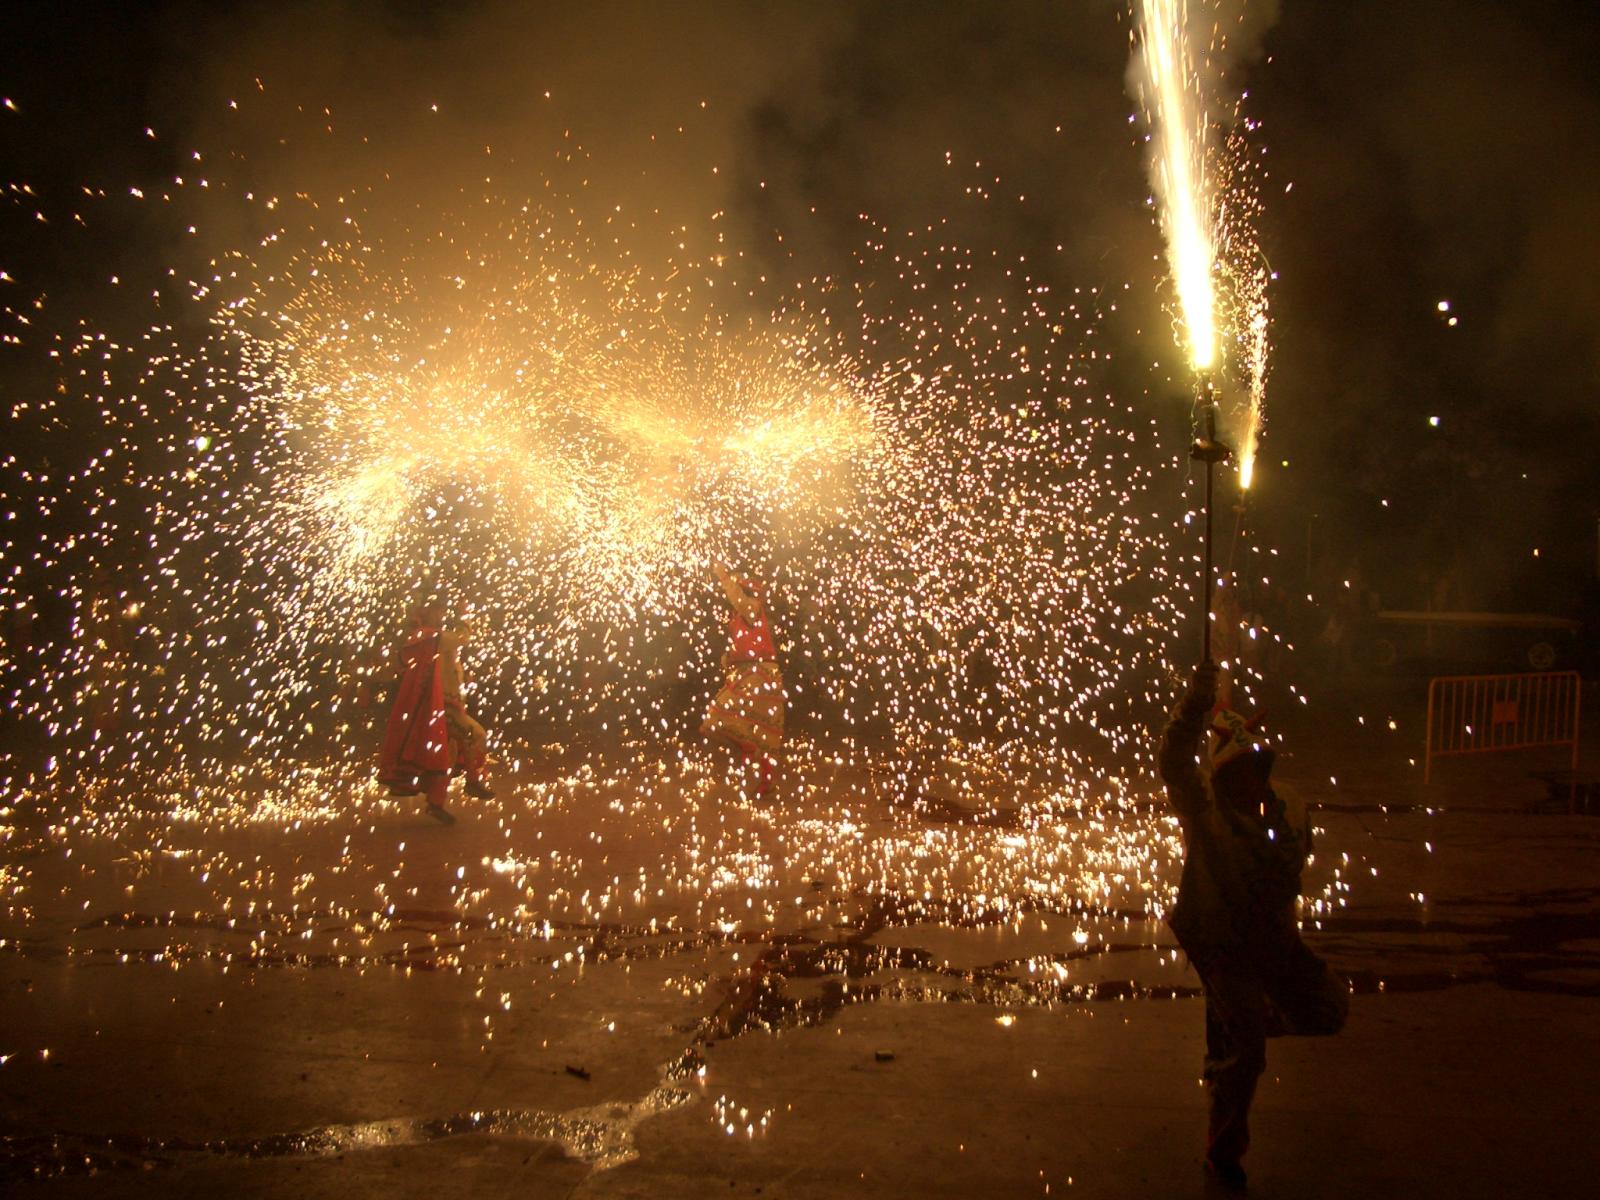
(1244, 848)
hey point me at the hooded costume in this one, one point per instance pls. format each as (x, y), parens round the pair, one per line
(1244, 849)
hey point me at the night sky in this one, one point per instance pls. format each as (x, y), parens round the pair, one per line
(1436, 152)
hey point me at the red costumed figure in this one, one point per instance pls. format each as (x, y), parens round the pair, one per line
(430, 733)
(748, 710)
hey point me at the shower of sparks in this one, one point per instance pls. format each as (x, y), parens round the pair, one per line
(245, 467)
(1176, 111)
(503, 411)
(1246, 277)
(1208, 201)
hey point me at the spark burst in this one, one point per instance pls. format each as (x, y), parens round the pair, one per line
(252, 460)
(559, 448)
(1208, 202)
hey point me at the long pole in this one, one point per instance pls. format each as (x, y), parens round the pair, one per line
(1205, 623)
(1209, 451)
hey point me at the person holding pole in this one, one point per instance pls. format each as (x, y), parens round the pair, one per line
(1245, 846)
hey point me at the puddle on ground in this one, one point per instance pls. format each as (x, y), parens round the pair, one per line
(600, 1135)
(1537, 942)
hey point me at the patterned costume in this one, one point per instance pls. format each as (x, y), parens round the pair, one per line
(748, 710)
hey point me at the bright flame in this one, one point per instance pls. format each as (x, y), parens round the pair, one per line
(1256, 348)
(1178, 123)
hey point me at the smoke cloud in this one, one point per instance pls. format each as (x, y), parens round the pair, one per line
(1438, 151)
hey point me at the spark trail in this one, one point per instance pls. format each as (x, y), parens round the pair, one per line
(1177, 118)
(1208, 203)
(494, 405)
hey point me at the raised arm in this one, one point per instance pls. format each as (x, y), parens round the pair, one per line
(1180, 744)
(743, 603)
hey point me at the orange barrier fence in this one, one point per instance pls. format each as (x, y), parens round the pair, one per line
(1479, 714)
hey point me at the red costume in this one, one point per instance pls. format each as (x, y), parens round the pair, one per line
(748, 710)
(417, 741)
(430, 733)
(752, 640)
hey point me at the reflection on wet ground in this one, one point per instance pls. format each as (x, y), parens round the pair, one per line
(1546, 941)
(601, 1137)
(1516, 935)
(825, 932)
(1536, 941)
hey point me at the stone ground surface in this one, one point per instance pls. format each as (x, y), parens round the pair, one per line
(162, 1039)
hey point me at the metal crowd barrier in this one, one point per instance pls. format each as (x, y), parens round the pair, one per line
(1481, 714)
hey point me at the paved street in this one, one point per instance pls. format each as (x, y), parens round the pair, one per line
(638, 984)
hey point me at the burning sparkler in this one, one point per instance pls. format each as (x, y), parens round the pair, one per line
(1203, 236)
(1208, 204)
(1177, 118)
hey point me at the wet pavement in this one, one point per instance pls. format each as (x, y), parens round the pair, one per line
(635, 982)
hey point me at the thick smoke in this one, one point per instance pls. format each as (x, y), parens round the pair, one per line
(1438, 150)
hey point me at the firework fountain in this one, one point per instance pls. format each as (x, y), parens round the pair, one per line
(1209, 229)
